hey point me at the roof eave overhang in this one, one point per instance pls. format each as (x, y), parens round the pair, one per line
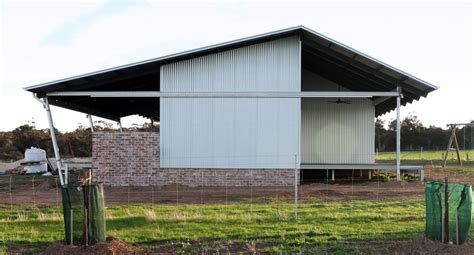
(420, 88)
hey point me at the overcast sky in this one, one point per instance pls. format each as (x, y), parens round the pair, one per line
(45, 41)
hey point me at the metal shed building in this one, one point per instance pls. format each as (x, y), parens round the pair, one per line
(280, 100)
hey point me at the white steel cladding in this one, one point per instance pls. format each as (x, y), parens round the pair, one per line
(233, 132)
(337, 133)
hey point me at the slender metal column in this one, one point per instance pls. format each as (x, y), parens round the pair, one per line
(91, 122)
(53, 139)
(398, 134)
(296, 187)
(120, 125)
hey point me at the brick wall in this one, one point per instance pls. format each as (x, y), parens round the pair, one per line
(133, 158)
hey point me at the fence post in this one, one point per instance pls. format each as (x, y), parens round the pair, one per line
(71, 233)
(251, 190)
(152, 197)
(128, 191)
(58, 188)
(446, 211)
(11, 196)
(177, 190)
(457, 228)
(226, 177)
(296, 187)
(34, 192)
(202, 185)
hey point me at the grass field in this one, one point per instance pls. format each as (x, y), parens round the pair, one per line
(337, 227)
(425, 155)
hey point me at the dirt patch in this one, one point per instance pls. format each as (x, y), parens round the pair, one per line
(26, 248)
(423, 245)
(418, 246)
(110, 246)
(214, 246)
(456, 173)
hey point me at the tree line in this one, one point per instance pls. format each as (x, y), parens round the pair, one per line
(415, 136)
(78, 143)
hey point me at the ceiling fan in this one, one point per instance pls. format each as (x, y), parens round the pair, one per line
(339, 101)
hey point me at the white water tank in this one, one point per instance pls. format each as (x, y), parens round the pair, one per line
(40, 168)
(37, 157)
(34, 154)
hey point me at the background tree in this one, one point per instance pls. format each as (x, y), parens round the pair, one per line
(415, 135)
(78, 143)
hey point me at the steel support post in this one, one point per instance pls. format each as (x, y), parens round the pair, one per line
(119, 123)
(53, 139)
(91, 123)
(66, 174)
(398, 135)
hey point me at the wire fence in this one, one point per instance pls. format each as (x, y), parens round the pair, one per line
(39, 197)
(38, 190)
(312, 185)
(23, 196)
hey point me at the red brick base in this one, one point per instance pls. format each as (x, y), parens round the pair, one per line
(133, 158)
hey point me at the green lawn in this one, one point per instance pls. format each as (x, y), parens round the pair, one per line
(425, 155)
(323, 226)
(337, 227)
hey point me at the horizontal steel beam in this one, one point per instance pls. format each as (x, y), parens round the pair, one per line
(338, 94)
(380, 100)
(359, 166)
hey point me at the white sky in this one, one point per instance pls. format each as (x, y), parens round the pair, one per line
(45, 41)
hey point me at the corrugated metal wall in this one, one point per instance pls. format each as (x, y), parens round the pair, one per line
(314, 82)
(233, 132)
(337, 133)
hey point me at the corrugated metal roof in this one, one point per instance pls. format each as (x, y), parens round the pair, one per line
(182, 55)
(360, 72)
